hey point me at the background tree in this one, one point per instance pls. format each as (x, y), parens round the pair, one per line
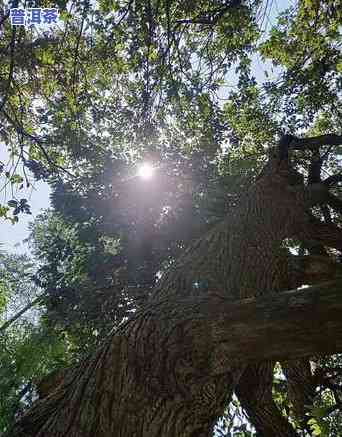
(29, 350)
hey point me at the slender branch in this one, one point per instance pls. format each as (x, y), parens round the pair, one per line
(25, 390)
(333, 180)
(4, 18)
(38, 141)
(30, 305)
(210, 18)
(127, 9)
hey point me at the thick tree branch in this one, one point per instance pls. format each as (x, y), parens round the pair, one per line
(280, 326)
(326, 234)
(315, 142)
(312, 269)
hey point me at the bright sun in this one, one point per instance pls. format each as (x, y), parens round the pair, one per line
(145, 171)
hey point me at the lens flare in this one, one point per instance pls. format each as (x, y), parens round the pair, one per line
(145, 171)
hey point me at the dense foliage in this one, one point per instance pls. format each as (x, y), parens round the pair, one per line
(29, 349)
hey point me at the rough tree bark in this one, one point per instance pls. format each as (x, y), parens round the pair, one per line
(254, 391)
(171, 369)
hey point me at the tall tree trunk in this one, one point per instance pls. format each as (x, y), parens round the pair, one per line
(145, 381)
(170, 370)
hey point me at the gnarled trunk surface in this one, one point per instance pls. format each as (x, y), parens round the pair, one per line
(165, 372)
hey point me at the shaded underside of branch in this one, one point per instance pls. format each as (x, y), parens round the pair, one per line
(279, 326)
